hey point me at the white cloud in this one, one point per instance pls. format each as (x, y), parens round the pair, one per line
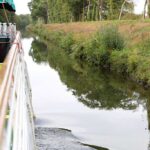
(22, 6)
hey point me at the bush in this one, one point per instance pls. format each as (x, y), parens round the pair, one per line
(119, 61)
(144, 48)
(133, 61)
(67, 42)
(78, 51)
(97, 54)
(131, 16)
(110, 38)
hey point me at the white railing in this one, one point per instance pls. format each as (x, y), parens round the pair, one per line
(8, 30)
(16, 113)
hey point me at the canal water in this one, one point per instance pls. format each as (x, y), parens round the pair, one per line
(100, 109)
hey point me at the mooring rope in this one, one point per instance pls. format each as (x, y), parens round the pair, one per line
(5, 13)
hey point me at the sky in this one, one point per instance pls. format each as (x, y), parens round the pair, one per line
(139, 5)
(22, 8)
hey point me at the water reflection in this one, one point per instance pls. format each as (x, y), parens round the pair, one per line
(95, 89)
(38, 51)
(92, 87)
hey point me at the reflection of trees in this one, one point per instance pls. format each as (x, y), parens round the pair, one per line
(38, 51)
(93, 88)
(148, 113)
(96, 89)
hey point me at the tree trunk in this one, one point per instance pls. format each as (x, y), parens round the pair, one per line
(121, 11)
(144, 13)
(88, 11)
(83, 13)
(148, 8)
(100, 9)
(93, 11)
(47, 11)
(110, 8)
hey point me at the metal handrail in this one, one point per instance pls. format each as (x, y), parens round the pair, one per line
(6, 84)
(17, 131)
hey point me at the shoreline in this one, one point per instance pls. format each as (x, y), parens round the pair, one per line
(132, 61)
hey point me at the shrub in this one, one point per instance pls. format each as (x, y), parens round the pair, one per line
(110, 37)
(78, 51)
(67, 42)
(119, 61)
(144, 48)
(133, 61)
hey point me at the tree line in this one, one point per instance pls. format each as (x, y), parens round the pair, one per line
(51, 11)
(57, 11)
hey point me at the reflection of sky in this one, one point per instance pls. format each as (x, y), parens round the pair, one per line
(22, 8)
(54, 106)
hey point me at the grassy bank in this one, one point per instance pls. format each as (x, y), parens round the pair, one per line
(122, 47)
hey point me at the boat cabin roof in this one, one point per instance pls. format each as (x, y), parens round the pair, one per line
(8, 4)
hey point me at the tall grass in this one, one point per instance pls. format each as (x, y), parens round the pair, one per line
(110, 38)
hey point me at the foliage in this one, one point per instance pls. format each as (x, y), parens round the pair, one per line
(38, 10)
(131, 16)
(23, 21)
(92, 87)
(97, 50)
(110, 38)
(67, 42)
(10, 15)
(52, 11)
(119, 61)
(107, 49)
(38, 51)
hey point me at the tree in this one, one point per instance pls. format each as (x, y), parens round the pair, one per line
(146, 9)
(127, 5)
(39, 9)
(57, 11)
(22, 21)
(100, 9)
(122, 9)
(10, 15)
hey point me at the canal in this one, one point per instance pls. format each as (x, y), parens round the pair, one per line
(99, 108)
